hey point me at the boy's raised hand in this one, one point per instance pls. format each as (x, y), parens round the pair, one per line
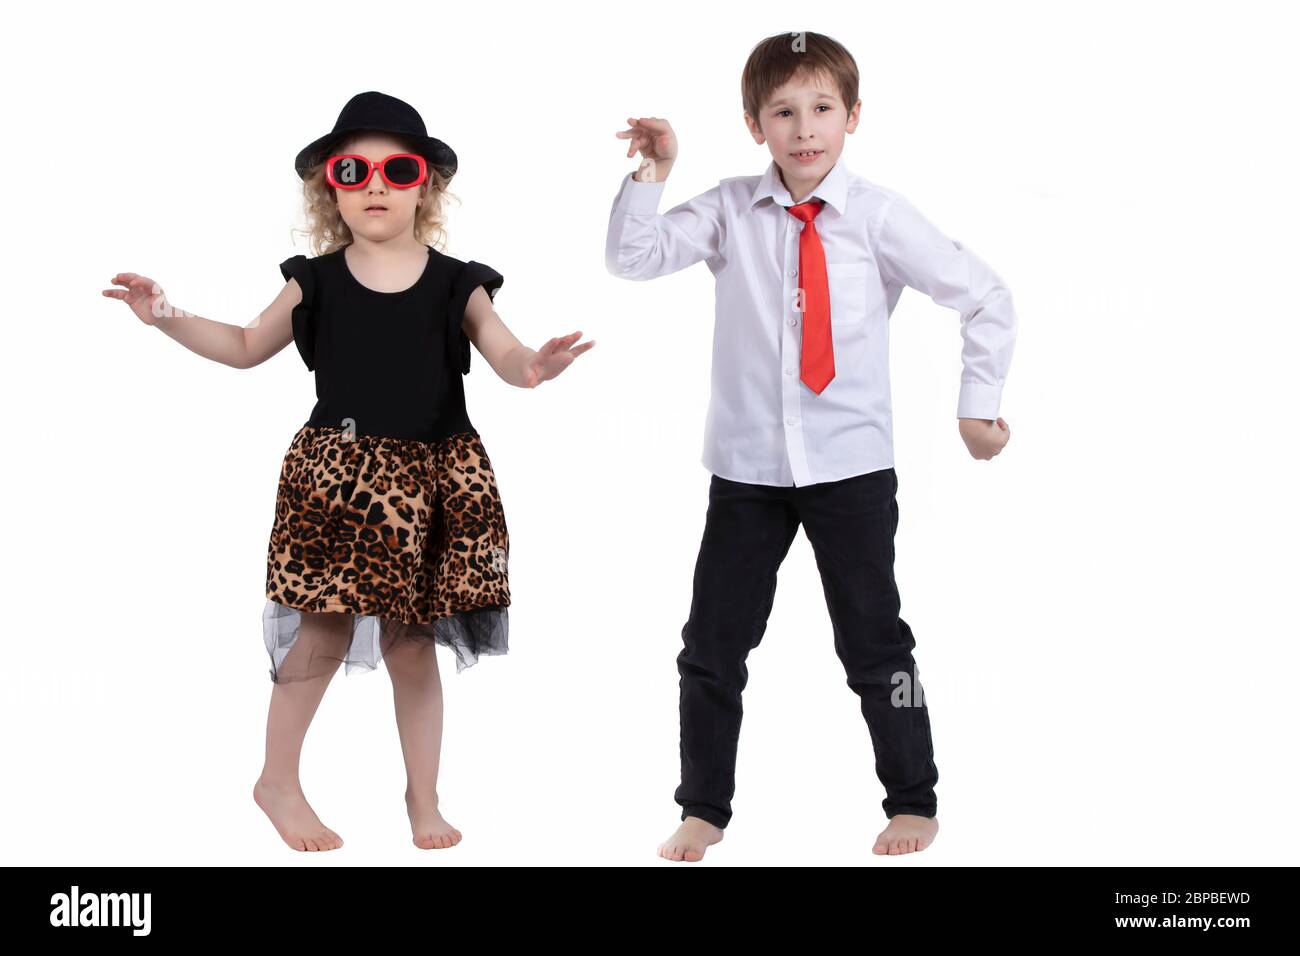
(554, 357)
(142, 294)
(984, 438)
(653, 137)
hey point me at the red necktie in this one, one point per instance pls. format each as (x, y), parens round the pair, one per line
(817, 361)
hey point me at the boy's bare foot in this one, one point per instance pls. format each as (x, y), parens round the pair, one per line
(906, 833)
(690, 840)
(429, 831)
(294, 819)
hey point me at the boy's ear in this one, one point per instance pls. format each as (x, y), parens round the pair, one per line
(854, 115)
(755, 130)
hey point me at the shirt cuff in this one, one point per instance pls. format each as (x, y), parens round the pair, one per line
(641, 199)
(979, 400)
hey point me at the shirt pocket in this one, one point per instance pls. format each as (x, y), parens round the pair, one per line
(848, 288)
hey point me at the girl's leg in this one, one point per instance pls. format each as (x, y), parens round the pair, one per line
(293, 705)
(417, 703)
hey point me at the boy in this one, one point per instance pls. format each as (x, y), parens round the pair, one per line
(809, 261)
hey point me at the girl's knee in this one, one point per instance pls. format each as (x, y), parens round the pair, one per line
(408, 657)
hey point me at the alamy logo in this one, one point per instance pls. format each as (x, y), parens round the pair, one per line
(101, 909)
(499, 560)
(908, 691)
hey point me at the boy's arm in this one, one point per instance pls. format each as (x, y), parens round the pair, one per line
(914, 252)
(642, 244)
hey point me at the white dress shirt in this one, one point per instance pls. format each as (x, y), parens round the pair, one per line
(764, 425)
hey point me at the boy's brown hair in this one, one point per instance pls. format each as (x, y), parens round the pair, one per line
(779, 57)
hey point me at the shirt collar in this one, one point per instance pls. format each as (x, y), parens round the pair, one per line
(833, 189)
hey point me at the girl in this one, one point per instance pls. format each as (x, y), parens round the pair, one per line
(389, 534)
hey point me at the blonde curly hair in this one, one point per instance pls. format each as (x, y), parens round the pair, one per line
(326, 229)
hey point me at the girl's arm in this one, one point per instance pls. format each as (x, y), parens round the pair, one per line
(513, 361)
(221, 342)
(272, 330)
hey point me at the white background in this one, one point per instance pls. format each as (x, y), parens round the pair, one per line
(1103, 618)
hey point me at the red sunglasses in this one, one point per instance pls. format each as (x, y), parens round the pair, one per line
(352, 171)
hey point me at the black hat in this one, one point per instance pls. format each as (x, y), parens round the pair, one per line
(379, 112)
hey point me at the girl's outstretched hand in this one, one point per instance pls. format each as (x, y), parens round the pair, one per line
(142, 294)
(554, 357)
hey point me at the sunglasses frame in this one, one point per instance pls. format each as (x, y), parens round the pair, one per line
(371, 168)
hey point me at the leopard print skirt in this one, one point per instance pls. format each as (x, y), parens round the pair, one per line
(395, 540)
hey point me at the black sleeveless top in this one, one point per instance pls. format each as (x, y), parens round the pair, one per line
(387, 363)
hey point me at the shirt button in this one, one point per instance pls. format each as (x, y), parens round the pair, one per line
(789, 371)
(794, 272)
(792, 420)
(794, 321)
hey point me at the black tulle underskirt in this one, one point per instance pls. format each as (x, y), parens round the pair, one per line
(361, 642)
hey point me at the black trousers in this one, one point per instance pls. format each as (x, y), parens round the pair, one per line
(747, 533)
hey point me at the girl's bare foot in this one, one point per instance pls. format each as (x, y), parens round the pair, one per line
(690, 840)
(429, 831)
(293, 818)
(906, 833)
